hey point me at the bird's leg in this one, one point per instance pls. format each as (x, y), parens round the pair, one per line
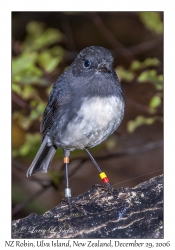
(102, 174)
(67, 189)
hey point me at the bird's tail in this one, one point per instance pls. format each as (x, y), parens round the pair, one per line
(42, 159)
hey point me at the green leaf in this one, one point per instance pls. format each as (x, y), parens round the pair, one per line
(146, 63)
(152, 21)
(34, 29)
(151, 62)
(29, 92)
(48, 62)
(49, 90)
(135, 65)
(39, 38)
(23, 121)
(17, 78)
(155, 101)
(57, 51)
(111, 142)
(124, 74)
(33, 103)
(16, 88)
(38, 111)
(132, 125)
(151, 76)
(31, 141)
(23, 62)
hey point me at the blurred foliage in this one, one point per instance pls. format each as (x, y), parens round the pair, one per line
(19, 196)
(141, 120)
(145, 72)
(31, 143)
(40, 54)
(34, 63)
(55, 177)
(152, 21)
(151, 76)
(140, 72)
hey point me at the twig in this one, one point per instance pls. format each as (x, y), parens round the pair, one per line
(122, 51)
(138, 49)
(109, 36)
(67, 30)
(19, 101)
(138, 105)
(129, 151)
(21, 205)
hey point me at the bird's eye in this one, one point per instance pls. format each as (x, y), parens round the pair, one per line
(86, 64)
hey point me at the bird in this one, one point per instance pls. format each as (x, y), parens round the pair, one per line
(85, 106)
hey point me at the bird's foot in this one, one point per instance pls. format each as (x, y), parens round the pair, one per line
(68, 202)
(109, 187)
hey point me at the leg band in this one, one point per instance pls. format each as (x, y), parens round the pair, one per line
(67, 192)
(66, 159)
(104, 177)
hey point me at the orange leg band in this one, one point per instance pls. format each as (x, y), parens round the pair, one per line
(66, 159)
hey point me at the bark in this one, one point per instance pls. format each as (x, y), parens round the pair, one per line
(125, 213)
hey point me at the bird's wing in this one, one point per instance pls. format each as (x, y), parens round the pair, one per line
(58, 96)
(48, 116)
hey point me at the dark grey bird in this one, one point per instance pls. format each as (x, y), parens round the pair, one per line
(85, 106)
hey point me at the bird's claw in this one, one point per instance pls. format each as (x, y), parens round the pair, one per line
(109, 187)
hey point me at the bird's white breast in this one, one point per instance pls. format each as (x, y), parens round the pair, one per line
(97, 118)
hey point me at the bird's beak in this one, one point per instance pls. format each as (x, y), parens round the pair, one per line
(104, 67)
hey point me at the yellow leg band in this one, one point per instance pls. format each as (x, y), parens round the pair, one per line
(102, 175)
